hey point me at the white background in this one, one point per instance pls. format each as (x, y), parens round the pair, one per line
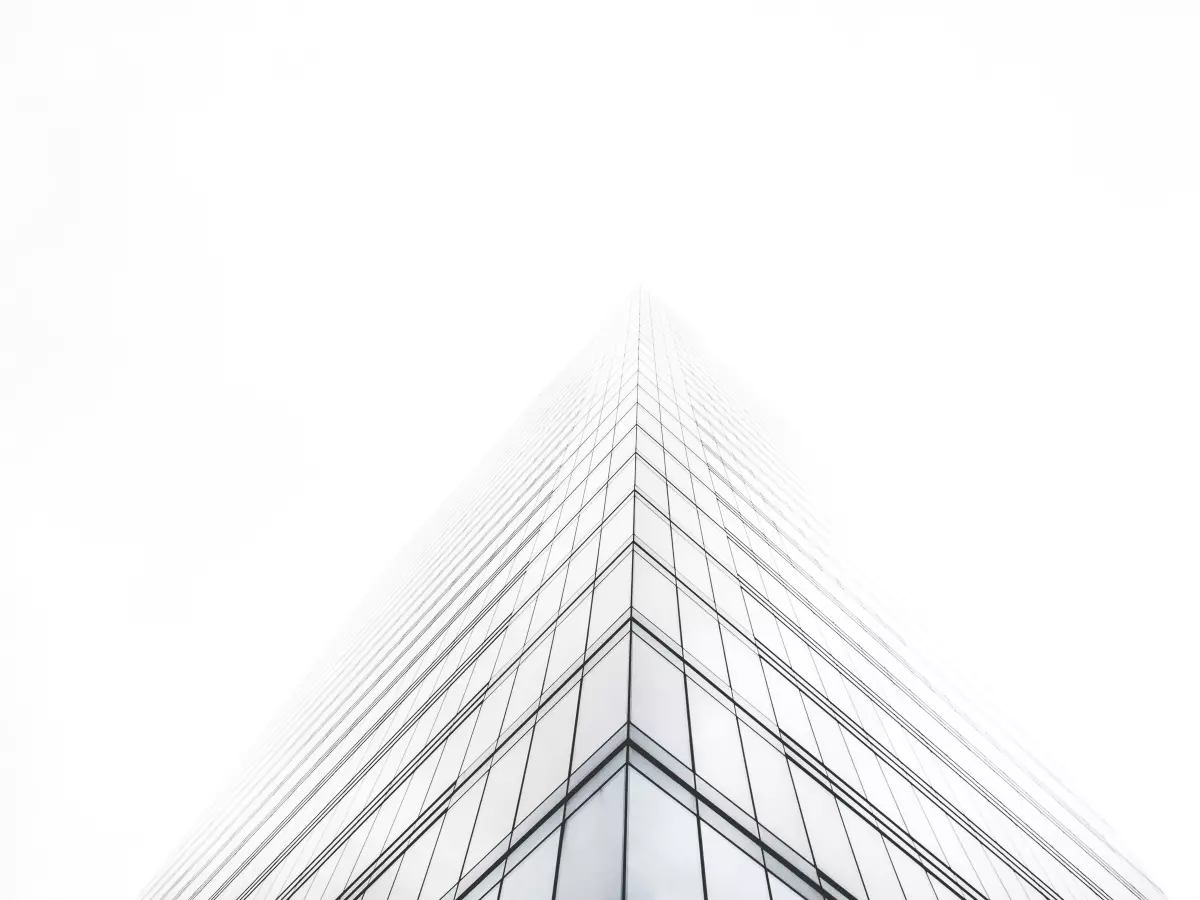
(275, 275)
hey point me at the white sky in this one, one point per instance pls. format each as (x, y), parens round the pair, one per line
(275, 275)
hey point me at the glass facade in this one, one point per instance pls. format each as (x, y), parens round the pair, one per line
(621, 666)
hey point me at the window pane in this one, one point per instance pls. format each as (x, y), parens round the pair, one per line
(912, 876)
(651, 484)
(549, 754)
(382, 886)
(581, 570)
(872, 856)
(612, 599)
(499, 805)
(447, 861)
(528, 684)
(654, 596)
(619, 527)
(592, 846)
(653, 531)
(569, 637)
(604, 703)
(684, 514)
(824, 825)
(774, 798)
(533, 878)
(412, 868)
(729, 874)
(789, 711)
(702, 636)
(658, 704)
(718, 749)
(781, 891)
(689, 562)
(746, 672)
(832, 744)
(663, 856)
(728, 595)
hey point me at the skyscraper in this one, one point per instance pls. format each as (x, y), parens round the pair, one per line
(620, 665)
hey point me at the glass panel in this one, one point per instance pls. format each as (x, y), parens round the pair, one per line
(533, 878)
(910, 809)
(604, 702)
(651, 484)
(789, 710)
(728, 595)
(912, 876)
(800, 656)
(412, 870)
(824, 826)
(550, 753)
(866, 763)
(873, 861)
(701, 635)
(381, 887)
(528, 684)
(546, 603)
(833, 746)
(718, 749)
(569, 638)
(489, 720)
(499, 805)
(593, 511)
(774, 799)
(663, 856)
(689, 561)
(746, 672)
(653, 530)
(658, 705)
(581, 570)
(592, 846)
(654, 596)
(684, 514)
(446, 865)
(619, 527)
(729, 874)
(452, 756)
(780, 891)
(612, 599)
(766, 626)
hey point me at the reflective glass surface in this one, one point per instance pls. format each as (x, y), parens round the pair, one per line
(620, 664)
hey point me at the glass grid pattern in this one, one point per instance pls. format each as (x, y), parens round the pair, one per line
(619, 664)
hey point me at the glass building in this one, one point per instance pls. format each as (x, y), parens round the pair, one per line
(619, 665)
